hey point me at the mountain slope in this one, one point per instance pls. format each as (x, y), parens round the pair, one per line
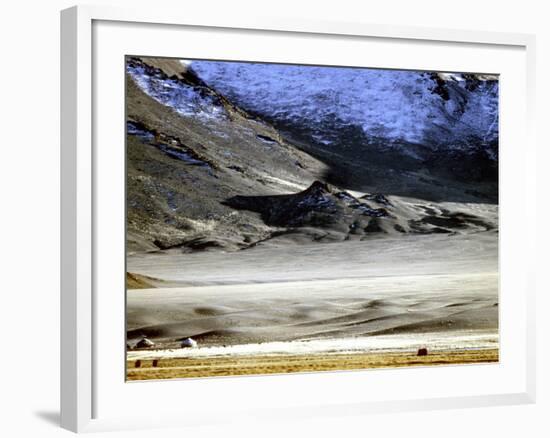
(202, 173)
(371, 120)
(437, 110)
(188, 150)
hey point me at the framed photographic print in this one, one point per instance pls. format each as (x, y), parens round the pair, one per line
(335, 218)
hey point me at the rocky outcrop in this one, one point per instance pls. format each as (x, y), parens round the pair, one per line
(320, 205)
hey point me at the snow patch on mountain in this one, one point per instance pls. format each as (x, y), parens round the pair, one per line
(449, 110)
(186, 99)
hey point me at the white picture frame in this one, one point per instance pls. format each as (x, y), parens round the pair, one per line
(81, 374)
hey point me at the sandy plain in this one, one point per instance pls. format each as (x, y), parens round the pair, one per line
(317, 307)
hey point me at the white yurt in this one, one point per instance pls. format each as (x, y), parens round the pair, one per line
(145, 343)
(188, 343)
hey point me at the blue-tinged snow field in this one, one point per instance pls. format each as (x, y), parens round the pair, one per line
(433, 109)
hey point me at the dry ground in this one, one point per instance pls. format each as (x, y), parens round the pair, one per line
(277, 364)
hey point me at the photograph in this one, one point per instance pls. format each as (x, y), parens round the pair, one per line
(291, 218)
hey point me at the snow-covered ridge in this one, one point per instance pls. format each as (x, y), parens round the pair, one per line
(186, 99)
(449, 110)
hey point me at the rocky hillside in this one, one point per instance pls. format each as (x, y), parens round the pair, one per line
(209, 168)
(188, 150)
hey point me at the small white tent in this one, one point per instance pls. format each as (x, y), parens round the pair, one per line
(188, 343)
(145, 343)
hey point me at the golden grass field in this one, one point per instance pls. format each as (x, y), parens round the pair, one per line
(176, 368)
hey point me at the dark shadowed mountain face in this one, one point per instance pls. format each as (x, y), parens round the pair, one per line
(232, 155)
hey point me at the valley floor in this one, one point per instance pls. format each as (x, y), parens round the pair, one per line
(380, 298)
